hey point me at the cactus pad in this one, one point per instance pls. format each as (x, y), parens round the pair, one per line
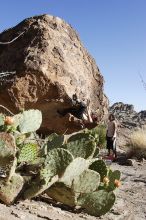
(97, 203)
(28, 121)
(2, 119)
(88, 181)
(38, 186)
(61, 193)
(55, 141)
(57, 160)
(28, 153)
(113, 175)
(80, 136)
(75, 168)
(81, 145)
(7, 154)
(55, 163)
(100, 167)
(10, 190)
(81, 149)
(96, 152)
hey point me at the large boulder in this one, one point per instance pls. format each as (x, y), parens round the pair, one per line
(42, 65)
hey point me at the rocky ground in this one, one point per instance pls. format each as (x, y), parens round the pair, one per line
(130, 205)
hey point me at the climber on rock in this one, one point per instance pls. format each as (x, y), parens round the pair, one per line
(81, 111)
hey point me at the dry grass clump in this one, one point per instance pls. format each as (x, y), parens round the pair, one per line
(137, 144)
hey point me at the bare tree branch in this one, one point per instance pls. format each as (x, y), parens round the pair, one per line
(4, 108)
(143, 82)
(9, 42)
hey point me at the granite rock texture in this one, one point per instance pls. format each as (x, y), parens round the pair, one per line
(42, 65)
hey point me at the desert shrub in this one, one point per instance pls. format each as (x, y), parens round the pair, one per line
(99, 133)
(137, 144)
(101, 130)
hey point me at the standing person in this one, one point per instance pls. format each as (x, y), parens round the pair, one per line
(111, 136)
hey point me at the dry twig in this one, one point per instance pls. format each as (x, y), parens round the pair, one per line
(9, 42)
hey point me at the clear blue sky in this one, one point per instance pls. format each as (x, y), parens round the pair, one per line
(113, 31)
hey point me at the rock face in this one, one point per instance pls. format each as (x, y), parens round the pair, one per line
(128, 120)
(127, 116)
(42, 64)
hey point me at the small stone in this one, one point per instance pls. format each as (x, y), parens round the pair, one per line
(130, 162)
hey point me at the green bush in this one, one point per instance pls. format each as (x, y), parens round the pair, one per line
(99, 133)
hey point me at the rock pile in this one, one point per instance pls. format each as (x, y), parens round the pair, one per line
(127, 116)
(42, 65)
(128, 121)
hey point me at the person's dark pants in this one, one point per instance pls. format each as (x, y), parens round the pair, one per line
(111, 145)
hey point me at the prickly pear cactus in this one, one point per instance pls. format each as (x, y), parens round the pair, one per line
(69, 171)
(20, 138)
(80, 137)
(55, 141)
(80, 186)
(82, 149)
(96, 152)
(97, 203)
(113, 175)
(38, 186)
(58, 160)
(10, 190)
(54, 166)
(100, 167)
(87, 182)
(28, 121)
(2, 120)
(29, 153)
(74, 169)
(7, 154)
(61, 193)
(81, 145)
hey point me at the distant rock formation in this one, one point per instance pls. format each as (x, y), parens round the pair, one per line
(42, 64)
(127, 116)
(128, 120)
